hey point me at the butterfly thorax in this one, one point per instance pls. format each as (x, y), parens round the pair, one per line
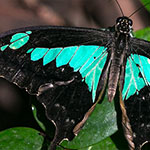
(123, 29)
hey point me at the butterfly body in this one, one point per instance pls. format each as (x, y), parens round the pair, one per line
(68, 68)
(119, 49)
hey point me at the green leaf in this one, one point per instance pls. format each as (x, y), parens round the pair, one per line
(143, 34)
(106, 144)
(34, 110)
(146, 2)
(20, 139)
(101, 124)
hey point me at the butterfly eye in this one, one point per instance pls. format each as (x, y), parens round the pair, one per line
(130, 22)
(119, 19)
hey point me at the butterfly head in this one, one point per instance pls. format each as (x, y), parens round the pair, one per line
(124, 25)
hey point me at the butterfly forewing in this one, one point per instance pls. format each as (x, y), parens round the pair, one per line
(140, 47)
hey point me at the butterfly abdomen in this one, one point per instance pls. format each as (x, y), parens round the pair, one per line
(114, 73)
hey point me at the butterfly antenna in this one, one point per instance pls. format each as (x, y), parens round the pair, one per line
(119, 7)
(139, 9)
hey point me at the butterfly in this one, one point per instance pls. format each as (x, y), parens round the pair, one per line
(68, 69)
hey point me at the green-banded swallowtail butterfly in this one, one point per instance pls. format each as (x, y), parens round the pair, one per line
(68, 68)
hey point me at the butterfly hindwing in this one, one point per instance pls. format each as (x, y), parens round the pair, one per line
(138, 109)
(135, 95)
(136, 75)
(61, 66)
(71, 94)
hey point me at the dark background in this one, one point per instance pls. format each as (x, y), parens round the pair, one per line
(15, 105)
(86, 13)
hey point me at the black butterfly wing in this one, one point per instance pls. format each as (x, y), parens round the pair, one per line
(67, 89)
(138, 109)
(141, 47)
(45, 37)
(135, 94)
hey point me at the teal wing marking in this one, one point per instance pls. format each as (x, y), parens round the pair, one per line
(17, 41)
(4, 47)
(136, 75)
(51, 55)
(38, 53)
(89, 60)
(65, 55)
